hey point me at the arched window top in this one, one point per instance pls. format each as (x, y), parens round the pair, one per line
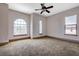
(19, 21)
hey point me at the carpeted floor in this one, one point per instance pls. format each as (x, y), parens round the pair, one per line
(40, 47)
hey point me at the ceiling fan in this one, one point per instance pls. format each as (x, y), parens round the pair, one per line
(44, 8)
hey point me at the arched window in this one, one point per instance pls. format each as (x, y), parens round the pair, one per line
(40, 26)
(20, 27)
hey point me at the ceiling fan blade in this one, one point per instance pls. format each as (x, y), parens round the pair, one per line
(41, 12)
(37, 9)
(47, 11)
(49, 7)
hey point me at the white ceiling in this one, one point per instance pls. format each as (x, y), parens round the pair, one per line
(30, 7)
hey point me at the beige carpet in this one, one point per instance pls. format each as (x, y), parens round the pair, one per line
(40, 47)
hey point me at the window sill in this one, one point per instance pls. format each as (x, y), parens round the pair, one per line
(20, 35)
(71, 34)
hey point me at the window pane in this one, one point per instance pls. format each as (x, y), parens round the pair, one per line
(70, 29)
(71, 19)
(40, 26)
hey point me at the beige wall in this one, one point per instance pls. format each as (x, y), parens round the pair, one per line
(3, 23)
(12, 16)
(36, 19)
(32, 20)
(55, 24)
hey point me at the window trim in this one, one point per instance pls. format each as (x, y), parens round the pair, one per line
(76, 27)
(19, 34)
